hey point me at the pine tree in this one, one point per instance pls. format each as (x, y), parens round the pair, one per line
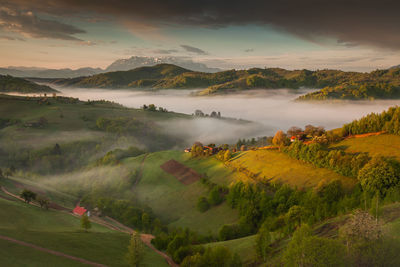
(85, 222)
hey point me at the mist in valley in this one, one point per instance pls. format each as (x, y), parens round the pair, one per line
(270, 110)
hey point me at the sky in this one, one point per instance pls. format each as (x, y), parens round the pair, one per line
(314, 34)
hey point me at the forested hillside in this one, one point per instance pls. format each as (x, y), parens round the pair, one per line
(380, 84)
(18, 85)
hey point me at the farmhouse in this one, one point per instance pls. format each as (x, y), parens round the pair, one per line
(79, 210)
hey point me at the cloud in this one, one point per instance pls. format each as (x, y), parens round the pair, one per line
(192, 49)
(165, 51)
(10, 38)
(87, 43)
(27, 23)
(367, 22)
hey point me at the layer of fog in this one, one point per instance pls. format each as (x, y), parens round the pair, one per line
(273, 109)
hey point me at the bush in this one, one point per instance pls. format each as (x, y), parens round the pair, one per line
(202, 204)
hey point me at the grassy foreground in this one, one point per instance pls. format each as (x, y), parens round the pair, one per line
(60, 232)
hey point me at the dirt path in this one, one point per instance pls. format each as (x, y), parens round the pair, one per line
(18, 197)
(146, 238)
(52, 251)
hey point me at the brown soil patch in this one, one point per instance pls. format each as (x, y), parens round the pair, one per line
(184, 174)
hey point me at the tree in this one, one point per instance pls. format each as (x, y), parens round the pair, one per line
(85, 222)
(377, 177)
(43, 202)
(294, 130)
(279, 139)
(135, 250)
(202, 204)
(307, 250)
(263, 241)
(227, 155)
(146, 221)
(28, 195)
(1, 173)
(215, 197)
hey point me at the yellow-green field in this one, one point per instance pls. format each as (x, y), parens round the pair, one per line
(276, 166)
(387, 145)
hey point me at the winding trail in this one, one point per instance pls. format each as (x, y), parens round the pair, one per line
(52, 252)
(146, 238)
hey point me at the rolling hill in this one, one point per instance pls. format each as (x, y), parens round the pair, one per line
(9, 84)
(335, 84)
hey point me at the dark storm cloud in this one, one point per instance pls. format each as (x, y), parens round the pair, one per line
(369, 22)
(193, 49)
(26, 22)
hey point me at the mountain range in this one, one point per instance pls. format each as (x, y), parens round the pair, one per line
(118, 65)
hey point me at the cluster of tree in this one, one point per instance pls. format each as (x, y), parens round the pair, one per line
(6, 122)
(224, 155)
(51, 159)
(132, 214)
(218, 256)
(140, 130)
(215, 197)
(213, 114)
(283, 208)
(388, 121)
(361, 243)
(153, 107)
(19, 85)
(7, 172)
(198, 150)
(253, 142)
(116, 155)
(185, 249)
(355, 91)
(337, 160)
(30, 196)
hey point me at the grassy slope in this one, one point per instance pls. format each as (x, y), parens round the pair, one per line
(245, 247)
(60, 232)
(175, 202)
(52, 194)
(381, 145)
(76, 123)
(278, 167)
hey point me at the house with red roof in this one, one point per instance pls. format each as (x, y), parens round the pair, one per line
(79, 210)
